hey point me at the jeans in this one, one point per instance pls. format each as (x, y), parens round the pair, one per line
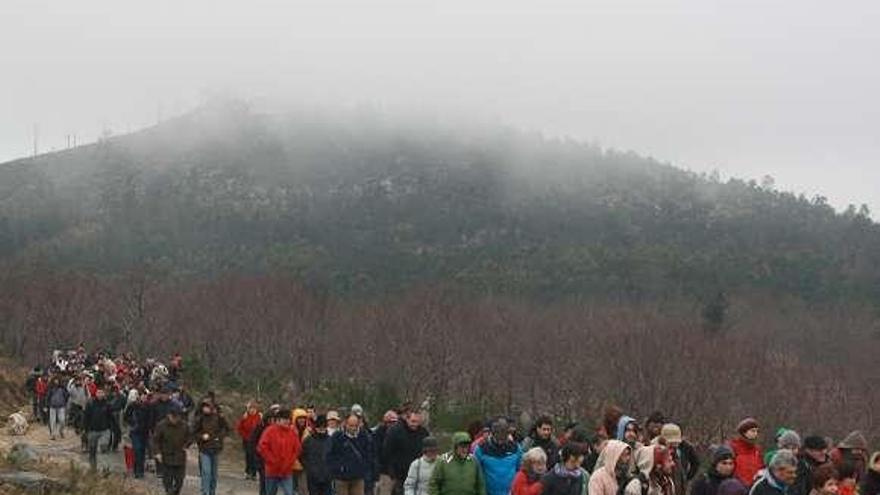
(208, 471)
(57, 420)
(273, 484)
(173, 479)
(94, 440)
(139, 445)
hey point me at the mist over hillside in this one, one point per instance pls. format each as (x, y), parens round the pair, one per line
(366, 203)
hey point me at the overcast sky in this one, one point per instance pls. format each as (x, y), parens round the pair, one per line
(748, 87)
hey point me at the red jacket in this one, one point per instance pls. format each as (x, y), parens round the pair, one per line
(279, 447)
(41, 387)
(749, 460)
(522, 485)
(247, 424)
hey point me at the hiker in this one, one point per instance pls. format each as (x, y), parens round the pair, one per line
(268, 420)
(811, 455)
(245, 428)
(403, 445)
(720, 469)
(613, 469)
(41, 390)
(137, 417)
(279, 447)
(655, 469)
(209, 429)
(654, 426)
(77, 403)
(117, 402)
(780, 475)
(96, 422)
(499, 457)
(541, 435)
(57, 397)
(628, 431)
(846, 479)
(301, 425)
(870, 484)
(333, 421)
(785, 438)
(384, 484)
(684, 455)
(746, 451)
(852, 450)
(825, 481)
(30, 386)
(314, 459)
(457, 472)
(419, 476)
(528, 479)
(351, 459)
(567, 477)
(169, 444)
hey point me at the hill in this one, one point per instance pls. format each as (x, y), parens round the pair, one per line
(366, 204)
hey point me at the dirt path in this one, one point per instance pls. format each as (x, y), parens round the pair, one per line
(231, 480)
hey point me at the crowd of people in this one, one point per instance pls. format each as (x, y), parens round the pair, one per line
(311, 452)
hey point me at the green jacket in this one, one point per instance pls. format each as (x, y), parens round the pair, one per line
(455, 476)
(171, 441)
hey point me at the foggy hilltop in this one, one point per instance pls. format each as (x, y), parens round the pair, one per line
(362, 202)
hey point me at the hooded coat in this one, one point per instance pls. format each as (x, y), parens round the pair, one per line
(419, 476)
(843, 454)
(604, 479)
(314, 457)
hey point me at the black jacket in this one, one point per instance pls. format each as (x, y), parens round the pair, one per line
(351, 458)
(870, 484)
(98, 415)
(138, 418)
(254, 440)
(555, 484)
(707, 484)
(550, 447)
(314, 457)
(402, 447)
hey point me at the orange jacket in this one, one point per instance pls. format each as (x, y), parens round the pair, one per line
(279, 447)
(247, 424)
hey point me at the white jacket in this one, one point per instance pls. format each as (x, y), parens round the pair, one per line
(419, 477)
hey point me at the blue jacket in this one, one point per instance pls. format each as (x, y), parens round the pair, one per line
(351, 458)
(498, 470)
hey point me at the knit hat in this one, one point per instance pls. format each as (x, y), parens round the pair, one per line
(815, 442)
(671, 433)
(430, 444)
(722, 453)
(789, 440)
(357, 410)
(855, 440)
(746, 425)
